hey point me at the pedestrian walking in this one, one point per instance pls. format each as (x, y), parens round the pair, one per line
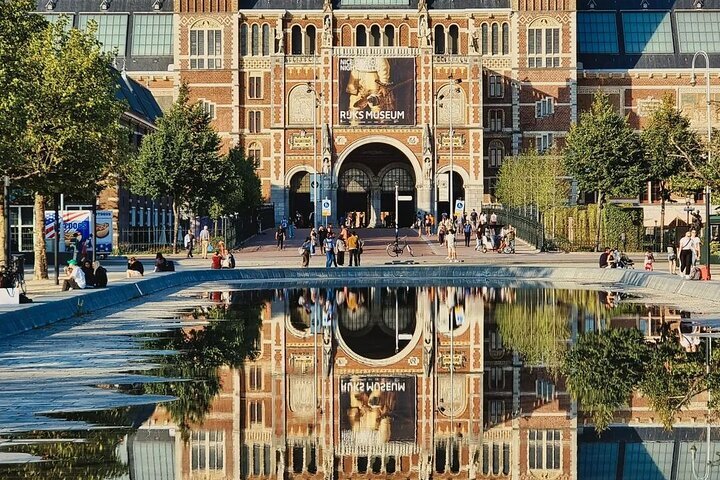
(329, 246)
(352, 248)
(686, 254)
(467, 230)
(205, 241)
(280, 237)
(672, 260)
(189, 242)
(305, 252)
(340, 248)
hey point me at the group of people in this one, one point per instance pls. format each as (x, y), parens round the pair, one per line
(87, 274)
(487, 233)
(614, 258)
(335, 247)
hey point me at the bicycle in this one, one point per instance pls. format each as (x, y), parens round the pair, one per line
(13, 278)
(398, 247)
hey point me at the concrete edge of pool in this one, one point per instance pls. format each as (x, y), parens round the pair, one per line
(64, 305)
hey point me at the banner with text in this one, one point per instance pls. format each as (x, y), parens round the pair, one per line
(377, 91)
(377, 410)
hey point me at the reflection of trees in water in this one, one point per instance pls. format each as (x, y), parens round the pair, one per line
(87, 455)
(230, 338)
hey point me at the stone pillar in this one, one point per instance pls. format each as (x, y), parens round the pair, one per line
(473, 197)
(374, 220)
(280, 196)
(423, 200)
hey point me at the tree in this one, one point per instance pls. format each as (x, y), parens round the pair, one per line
(179, 159)
(603, 369)
(698, 171)
(603, 154)
(17, 27)
(667, 142)
(72, 135)
(239, 188)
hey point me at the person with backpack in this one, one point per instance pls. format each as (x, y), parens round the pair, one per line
(467, 230)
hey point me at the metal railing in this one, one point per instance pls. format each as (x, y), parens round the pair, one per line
(526, 227)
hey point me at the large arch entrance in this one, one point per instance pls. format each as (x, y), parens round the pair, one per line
(366, 186)
(444, 195)
(299, 198)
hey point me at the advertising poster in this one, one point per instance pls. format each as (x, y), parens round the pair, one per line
(377, 91)
(376, 410)
(103, 231)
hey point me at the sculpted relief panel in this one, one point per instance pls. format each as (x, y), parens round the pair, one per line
(693, 105)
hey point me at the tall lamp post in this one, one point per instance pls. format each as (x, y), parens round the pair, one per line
(311, 89)
(453, 84)
(710, 464)
(693, 82)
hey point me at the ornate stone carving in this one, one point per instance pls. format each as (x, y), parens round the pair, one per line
(279, 36)
(424, 31)
(476, 38)
(327, 31)
(301, 394)
(300, 106)
(326, 149)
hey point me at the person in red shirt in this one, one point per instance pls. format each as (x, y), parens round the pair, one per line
(216, 260)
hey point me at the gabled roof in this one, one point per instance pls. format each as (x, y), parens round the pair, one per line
(140, 100)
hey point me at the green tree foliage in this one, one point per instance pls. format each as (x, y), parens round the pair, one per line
(181, 158)
(239, 188)
(603, 154)
(70, 136)
(603, 369)
(698, 171)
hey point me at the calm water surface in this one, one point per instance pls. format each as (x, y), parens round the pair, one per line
(386, 382)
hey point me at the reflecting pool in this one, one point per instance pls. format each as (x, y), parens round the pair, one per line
(426, 382)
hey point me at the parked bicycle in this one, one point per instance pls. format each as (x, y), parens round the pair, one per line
(398, 247)
(13, 277)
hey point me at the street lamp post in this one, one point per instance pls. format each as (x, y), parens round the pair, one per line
(452, 83)
(693, 82)
(311, 89)
(709, 462)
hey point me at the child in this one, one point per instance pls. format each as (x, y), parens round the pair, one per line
(672, 260)
(649, 260)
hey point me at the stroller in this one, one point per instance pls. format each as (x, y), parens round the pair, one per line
(625, 262)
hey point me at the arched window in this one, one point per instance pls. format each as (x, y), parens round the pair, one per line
(310, 36)
(375, 36)
(266, 39)
(361, 36)
(389, 39)
(354, 180)
(505, 39)
(484, 38)
(400, 176)
(404, 36)
(496, 152)
(205, 46)
(254, 153)
(439, 39)
(243, 39)
(495, 39)
(453, 40)
(297, 40)
(255, 40)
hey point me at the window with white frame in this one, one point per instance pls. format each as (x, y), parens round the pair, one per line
(497, 378)
(496, 153)
(21, 228)
(496, 412)
(207, 450)
(544, 142)
(205, 49)
(152, 34)
(310, 40)
(209, 108)
(544, 107)
(496, 87)
(496, 119)
(254, 86)
(244, 39)
(255, 378)
(255, 153)
(141, 217)
(544, 390)
(496, 458)
(495, 341)
(255, 412)
(543, 47)
(132, 217)
(544, 449)
(296, 37)
(254, 121)
(111, 30)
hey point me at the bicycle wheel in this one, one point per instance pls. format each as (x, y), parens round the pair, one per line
(410, 250)
(392, 250)
(20, 284)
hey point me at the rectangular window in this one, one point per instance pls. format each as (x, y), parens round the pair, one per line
(374, 3)
(497, 378)
(544, 390)
(21, 228)
(544, 42)
(205, 49)
(597, 32)
(111, 31)
(544, 142)
(495, 123)
(255, 378)
(207, 450)
(209, 109)
(497, 412)
(544, 107)
(544, 449)
(55, 17)
(254, 86)
(495, 86)
(698, 31)
(255, 121)
(152, 35)
(256, 412)
(647, 32)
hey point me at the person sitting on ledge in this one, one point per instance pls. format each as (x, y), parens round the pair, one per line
(604, 258)
(101, 278)
(135, 268)
(162, 264)
(89, 273)
(216, 260)
(75, 277)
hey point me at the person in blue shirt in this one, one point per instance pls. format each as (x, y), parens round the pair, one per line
(329, 244)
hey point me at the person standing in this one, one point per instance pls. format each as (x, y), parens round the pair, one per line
(189, 241)
(696, 247)
(451, 246)
(280, 237)
(493, 219)
(672, 260)
(340, 248)
(352, 248)
(467, 230)
(307, 244)
(686, 254)
(205, 241)
(76, 246)
(329, 246)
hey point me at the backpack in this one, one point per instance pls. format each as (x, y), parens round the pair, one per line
(695, 273)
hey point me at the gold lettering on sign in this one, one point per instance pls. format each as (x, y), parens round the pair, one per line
(647, 106)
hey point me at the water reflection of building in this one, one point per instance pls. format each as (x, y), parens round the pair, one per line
(369, 382)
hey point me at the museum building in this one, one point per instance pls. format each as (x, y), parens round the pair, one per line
(374, 94)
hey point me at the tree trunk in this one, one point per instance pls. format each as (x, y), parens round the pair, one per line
(175, 226)
(662, 216)
(599, 221)
(41, 265)
(215, 228)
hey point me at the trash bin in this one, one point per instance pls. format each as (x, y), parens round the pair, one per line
(17, 263)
